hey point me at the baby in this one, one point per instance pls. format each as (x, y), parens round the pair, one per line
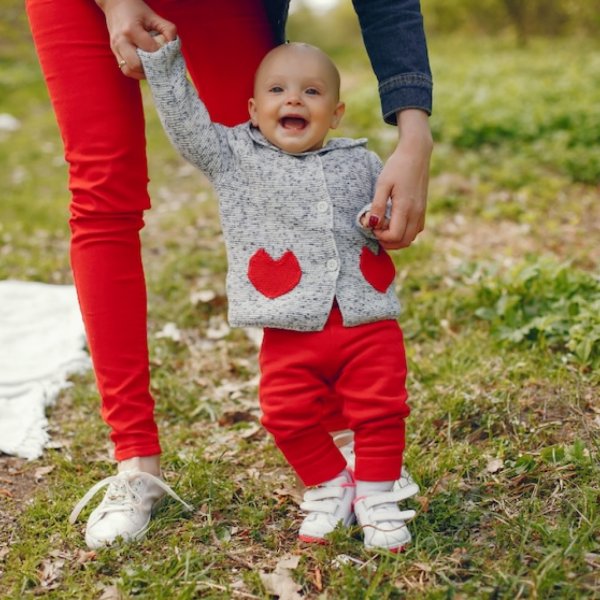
(305, 265)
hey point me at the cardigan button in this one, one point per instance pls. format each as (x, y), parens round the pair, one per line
(332, 264)
(322, 206)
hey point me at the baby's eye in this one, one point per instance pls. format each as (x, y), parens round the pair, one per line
(312, 91)
(276, 89)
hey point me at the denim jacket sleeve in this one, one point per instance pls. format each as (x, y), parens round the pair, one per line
(395, 41)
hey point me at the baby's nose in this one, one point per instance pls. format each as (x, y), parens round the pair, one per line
(293, 98)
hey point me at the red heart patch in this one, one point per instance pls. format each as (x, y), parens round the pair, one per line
(273, 278)
(377, 269)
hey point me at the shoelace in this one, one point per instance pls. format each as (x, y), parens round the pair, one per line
(121, 493)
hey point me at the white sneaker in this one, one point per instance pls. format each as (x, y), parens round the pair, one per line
(125, 509)
(327, 505)
(382, 522)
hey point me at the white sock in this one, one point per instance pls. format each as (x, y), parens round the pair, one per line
(369, 488)
(344, 473)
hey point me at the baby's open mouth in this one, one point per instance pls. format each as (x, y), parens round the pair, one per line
(297, 123)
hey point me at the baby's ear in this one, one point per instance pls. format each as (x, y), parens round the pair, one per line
(252, 112)
(338, 113)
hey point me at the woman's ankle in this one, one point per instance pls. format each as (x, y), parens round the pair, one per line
(146, 464)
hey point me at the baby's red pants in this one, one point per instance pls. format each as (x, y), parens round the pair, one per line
(365, 367)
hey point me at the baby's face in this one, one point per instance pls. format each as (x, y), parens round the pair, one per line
(296, 98)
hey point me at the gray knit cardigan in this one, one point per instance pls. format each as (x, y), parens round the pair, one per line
(289, 220)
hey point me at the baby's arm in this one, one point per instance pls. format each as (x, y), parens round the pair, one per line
(181, 112)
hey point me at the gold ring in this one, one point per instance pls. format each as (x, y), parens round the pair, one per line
(122, 63)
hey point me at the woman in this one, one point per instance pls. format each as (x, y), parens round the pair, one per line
(88, 55)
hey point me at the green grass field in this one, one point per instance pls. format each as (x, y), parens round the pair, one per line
(501, 313)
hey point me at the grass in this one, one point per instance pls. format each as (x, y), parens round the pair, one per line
(500, 300)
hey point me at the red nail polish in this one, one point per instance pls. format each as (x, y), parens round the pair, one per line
(373, 220)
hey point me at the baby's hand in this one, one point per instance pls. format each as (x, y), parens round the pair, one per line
(373, 222)
(159, 38)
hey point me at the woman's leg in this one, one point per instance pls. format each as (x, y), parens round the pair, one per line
(99, 113)
(223, 44)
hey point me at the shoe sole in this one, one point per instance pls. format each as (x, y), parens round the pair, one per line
(396, 550)
(134, 537)
(313, 540)
(309, 539)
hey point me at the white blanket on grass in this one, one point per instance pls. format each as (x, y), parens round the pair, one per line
(41, 343)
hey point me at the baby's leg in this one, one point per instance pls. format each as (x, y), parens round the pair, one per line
(292, 388)
(373, 386)
(296, 368)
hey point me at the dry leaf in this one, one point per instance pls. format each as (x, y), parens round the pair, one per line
(423, 502)
(9, 123)
(318, 579)
(169, 331)
(346, 559)
(494, 465)
(423, 567)
(280, 582)
(237, 416)
(41, 472)
(217, 329)
(50, 573)
(83, 556)
(255, 335)
(203, 296)
(110, 592)
(253, 432)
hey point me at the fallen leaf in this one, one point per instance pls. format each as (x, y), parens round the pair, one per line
(280, 582)
(169, 331)
(253, 432)
(423, 567)
(83, 556)
(203, 296)
(346, 559)
(41, 472)
(217, 329)
(318, 579)
(236, 416)
(494, 465)
(255, 335)
(110, 592)
(9, 123)
(50, 572)
(423, 502)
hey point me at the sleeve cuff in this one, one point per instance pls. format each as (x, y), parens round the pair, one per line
(409, 90)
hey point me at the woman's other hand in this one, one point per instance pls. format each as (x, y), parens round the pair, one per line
(404, 179)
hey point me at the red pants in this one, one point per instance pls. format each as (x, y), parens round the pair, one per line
(99, 112)
(365, 367)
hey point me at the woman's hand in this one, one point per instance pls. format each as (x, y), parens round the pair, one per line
(404, 179)
(130, 23)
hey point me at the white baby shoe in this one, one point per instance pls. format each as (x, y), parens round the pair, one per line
(382, 522)
(327, 505)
